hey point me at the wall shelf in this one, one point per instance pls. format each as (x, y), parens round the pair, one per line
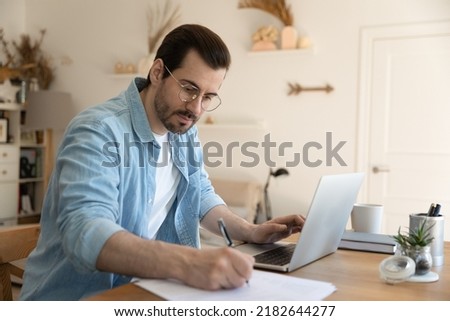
(306, 51)
(10, 106)
(229, 126)
(31, 180)
(126, 76)
(121, 76)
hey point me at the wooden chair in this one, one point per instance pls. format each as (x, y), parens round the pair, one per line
(16, 243)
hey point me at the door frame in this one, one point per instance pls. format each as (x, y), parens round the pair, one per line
(369, 35)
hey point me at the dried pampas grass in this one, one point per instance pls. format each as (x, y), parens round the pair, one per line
(160, 22)
(277, 8)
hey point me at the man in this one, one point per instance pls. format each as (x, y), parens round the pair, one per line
(129, 191)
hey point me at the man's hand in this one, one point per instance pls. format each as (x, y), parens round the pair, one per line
(277, 229)
(218, 268)
(209, 269)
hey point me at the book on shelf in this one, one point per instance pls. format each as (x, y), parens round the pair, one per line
(27, 163)
(368, 242)
(26, 207)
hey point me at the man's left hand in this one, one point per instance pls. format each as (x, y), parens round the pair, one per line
(277, 229)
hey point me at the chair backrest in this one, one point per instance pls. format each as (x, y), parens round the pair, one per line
(247, 195)
(16, 242)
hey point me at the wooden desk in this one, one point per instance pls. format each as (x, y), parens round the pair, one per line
(355, 275)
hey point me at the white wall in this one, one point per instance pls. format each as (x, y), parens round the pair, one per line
(96, 34)
(12, 19)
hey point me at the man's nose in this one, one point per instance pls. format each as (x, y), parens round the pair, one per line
(195, 106)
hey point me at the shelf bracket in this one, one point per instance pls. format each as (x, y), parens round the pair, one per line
(296, 89)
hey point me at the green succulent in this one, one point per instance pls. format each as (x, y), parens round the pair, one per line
(419, 237)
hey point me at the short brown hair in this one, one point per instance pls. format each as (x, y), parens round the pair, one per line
(177, 43)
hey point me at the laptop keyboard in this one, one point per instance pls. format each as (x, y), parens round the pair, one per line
(278, 256)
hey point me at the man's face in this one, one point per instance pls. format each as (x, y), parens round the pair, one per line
(178, 116)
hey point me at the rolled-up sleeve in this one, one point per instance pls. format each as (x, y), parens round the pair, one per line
(88, 204)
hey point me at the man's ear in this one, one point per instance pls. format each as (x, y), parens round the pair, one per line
(156, 71)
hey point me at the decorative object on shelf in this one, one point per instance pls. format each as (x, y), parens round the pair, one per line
(265, 39)
(27, 61)
(7, 91)
(26, 207)
(304, 42)
(281, 10)
(34, 84)
(7, 73)
(130, 68)
(160, 21)
(267, 203)
(3, 130)
(209, 120)
(296, 89)
(21, 95)
(289, 37)
(28, 137)
(416, 244)
(121, 68)
(28, 159)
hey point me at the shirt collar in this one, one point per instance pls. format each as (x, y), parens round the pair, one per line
(139, 117)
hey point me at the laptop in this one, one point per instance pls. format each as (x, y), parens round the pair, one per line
(325, 224)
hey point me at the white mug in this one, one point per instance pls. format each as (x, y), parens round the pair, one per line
(367, 218)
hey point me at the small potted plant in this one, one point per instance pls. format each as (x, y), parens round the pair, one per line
(416, 244)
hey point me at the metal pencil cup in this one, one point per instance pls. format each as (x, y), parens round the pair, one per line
(437, 231)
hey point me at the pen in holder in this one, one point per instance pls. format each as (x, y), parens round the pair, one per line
(436, 231)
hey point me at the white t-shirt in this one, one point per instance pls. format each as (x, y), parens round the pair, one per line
(167, 179)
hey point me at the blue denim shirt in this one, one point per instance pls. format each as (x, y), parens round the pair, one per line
(104, 182)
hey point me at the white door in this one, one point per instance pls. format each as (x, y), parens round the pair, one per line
(405, 104)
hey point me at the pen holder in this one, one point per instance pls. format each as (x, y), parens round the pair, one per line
(437, 231)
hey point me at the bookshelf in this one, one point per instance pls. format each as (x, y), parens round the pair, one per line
(35, 166)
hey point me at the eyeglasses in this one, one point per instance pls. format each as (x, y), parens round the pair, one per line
(188, 93)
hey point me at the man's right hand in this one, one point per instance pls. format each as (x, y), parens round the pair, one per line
(218, 268)
(209, 269)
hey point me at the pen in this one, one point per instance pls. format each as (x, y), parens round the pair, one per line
(431, 210)
(225, 235)
(437, 209)
(224, 232)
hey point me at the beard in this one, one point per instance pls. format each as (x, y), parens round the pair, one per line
(169, 117)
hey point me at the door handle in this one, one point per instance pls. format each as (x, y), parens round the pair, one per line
(380, 169)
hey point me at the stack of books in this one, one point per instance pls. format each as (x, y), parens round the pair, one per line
(368, 242)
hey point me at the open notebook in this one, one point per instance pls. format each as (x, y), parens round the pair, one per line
(325, 223)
